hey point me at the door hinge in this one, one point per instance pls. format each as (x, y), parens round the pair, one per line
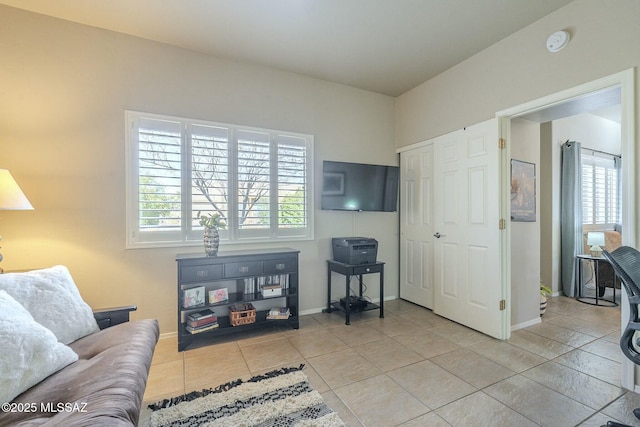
(502, 143)
(502, 224)
(503, 304)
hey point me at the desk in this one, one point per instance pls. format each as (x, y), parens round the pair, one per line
(349, 270)
(596, 262)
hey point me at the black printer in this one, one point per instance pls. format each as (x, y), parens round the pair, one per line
(355, 250)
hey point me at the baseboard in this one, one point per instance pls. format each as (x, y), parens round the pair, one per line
(168, 335)
(526, 324)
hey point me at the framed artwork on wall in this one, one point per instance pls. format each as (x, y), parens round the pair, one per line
(523, 191)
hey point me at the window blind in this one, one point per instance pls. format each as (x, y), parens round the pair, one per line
(257, 180)
(159, 175)
(600, 195)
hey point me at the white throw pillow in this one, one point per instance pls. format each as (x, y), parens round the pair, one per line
(53, 299)
(29, 351)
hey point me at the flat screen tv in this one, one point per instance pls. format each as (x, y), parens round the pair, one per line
(359, 187)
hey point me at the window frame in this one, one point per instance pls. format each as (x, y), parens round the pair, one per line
(189, 234)
(605, 162)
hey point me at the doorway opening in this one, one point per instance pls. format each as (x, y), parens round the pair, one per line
(594, 121)
(611, 95)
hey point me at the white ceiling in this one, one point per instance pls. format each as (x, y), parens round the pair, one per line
(385, 46)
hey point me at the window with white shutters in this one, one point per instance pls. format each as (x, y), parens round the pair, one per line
(254, 181)
(600, 191)
(257, 180)
(292, 184)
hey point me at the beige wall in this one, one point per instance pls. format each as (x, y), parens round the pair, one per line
(591, 131)
(525, 236)
(63, 90)
(549, 208)
(519, 69)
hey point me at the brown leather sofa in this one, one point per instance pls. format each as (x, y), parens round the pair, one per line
(104, 387)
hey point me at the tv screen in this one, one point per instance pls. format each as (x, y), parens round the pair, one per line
(359, 187)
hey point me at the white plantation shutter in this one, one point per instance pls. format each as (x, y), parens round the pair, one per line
(209, 173)
(158, 183)
(292, 184)
(253, 182)
(600, 192)
(257, 180)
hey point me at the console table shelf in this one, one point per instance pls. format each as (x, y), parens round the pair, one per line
(336, 306)
(237, 297)
(230, 270)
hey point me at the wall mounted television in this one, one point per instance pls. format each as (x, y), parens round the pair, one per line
(359, 187)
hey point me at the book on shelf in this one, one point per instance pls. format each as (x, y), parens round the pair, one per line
(193, 297)
(202, 322)
(250, 285)
(281, 280)
(279, 313)
(253, 285)
(204, 328)
(203, 314)
(284, 281)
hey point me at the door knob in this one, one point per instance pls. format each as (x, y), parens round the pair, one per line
(438, 235)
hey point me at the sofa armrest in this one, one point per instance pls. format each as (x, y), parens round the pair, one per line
(106, 317)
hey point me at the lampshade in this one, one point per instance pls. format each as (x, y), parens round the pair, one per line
(595, 238)
(11, 196)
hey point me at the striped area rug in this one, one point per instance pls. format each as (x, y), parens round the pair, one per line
(276, 399)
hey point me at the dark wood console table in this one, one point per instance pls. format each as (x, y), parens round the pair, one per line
(234, 272)
(349, 270)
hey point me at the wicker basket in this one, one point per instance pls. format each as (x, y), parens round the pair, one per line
(242, 314)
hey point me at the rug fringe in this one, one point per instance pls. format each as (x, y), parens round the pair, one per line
(166, 403)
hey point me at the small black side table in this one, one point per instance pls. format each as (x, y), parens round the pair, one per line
(596, 262)
(349, 270)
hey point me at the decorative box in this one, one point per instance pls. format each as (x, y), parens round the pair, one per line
(270, 291)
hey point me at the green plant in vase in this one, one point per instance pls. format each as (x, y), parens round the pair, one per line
(211, 223)
(545, 292)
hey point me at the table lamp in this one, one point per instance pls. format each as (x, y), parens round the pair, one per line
(595, 239)
(11, 196)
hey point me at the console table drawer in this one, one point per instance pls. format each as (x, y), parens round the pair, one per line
(278, 266)
(242, 269)
(367, 269)
(200, 273)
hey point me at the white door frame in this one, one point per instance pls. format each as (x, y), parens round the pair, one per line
(626, 81)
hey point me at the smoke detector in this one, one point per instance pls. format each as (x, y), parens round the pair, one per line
(557, 41)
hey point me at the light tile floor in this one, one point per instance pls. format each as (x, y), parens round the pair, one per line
(414, 368)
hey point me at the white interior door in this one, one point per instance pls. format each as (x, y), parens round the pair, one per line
(467, 273)
(416, 226)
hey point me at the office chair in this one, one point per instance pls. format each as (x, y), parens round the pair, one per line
(626, 263)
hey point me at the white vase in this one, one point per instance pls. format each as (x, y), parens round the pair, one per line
(543, 304)
(211, 241)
